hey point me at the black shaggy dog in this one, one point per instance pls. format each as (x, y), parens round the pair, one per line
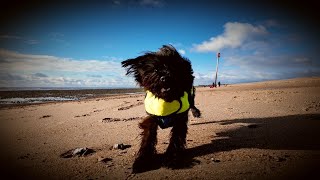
(167, 78)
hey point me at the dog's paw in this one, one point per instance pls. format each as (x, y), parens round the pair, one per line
(174, 159)
(179, 161)
(173, 162)
(143, 164)
(139, 166)
(195, 112)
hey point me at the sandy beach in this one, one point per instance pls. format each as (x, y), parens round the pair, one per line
(264, 130)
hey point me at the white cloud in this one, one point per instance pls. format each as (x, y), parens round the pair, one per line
(31, 41)
(182, 52)
(16, 62)
(235, 34)
(259, 67)
(116, 2)
(203, 78)
(251, 53)
(111, 58)
(9, 37)
(237, 68)
(17, 69)
(23, 39)
(40, 75)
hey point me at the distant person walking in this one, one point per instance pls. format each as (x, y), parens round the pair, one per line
(219, 84)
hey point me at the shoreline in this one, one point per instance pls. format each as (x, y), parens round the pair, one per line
(65, 93)
(23, 98)
(26, 97)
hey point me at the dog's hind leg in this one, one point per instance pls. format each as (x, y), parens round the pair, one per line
(176, 149)
(145, 159)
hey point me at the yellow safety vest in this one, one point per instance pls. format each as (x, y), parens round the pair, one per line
(160, 107)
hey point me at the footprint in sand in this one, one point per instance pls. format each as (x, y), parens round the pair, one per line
(312, 106)
(106, 120)
(77, 152)
(84, 115)
(45, 116)
(130, 106)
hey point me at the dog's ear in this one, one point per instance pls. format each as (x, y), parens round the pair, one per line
(133, 67)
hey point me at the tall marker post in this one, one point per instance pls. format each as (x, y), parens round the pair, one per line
(215, 81)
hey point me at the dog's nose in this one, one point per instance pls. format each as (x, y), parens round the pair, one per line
(162, 78)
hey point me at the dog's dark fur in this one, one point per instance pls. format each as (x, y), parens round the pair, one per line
(167, 75)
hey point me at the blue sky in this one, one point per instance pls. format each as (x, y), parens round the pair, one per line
(82, 43)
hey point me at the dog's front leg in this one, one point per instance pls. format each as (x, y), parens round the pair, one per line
(176, 149)
(145, 156)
